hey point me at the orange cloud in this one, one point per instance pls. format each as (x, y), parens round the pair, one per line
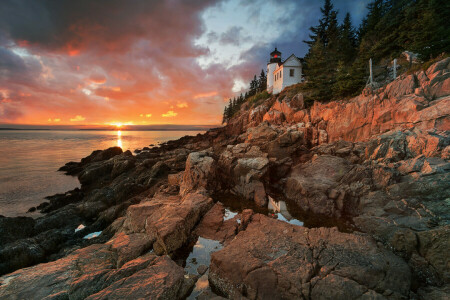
(77, 118)
(205, 95)
(97, 78)
(169, 114)
(182, 105)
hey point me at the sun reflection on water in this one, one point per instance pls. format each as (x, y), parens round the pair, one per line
(119, 138)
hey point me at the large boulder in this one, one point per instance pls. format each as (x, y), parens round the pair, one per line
(309, 184)
(91, 273)
(199, 174)
(244, 167)
(402, 86)
(167, 220)
(275, 260)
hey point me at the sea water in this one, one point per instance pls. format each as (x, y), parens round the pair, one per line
(29, 160)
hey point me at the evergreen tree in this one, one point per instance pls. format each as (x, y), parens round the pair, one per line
(430, 32)
(322, 57)
(229, 110)
(225, 115)
(241, 98)
(253, 86)
(319, 32)
(262, 81)
(347, 41)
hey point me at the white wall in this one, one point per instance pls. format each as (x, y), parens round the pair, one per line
(278, 80)
(270, 68)
(286, 80)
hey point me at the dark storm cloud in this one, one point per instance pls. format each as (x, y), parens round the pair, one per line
(14, 68)
(306, 14)
(112, 25)
(233, 36)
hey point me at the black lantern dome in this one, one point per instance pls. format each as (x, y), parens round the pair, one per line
(275, 56)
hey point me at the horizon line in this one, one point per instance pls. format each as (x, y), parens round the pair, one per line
(154, 127)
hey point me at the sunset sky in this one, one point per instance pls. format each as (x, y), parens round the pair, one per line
(141, 62)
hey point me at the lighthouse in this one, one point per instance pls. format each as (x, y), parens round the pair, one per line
(281, 74)
(275, 60)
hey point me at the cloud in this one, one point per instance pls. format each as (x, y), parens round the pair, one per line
(77, 118)
(182, 105)
(232, 36)
(205, 95)
(169, 114)
(98, 78)
(112, 59)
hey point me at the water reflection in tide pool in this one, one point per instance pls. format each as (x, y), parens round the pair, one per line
(282, 213)
(201, 255)
(278, 209)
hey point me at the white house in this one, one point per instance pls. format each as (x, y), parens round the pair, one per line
(282, 74)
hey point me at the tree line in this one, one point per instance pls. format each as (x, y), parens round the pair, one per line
(257, 85)
(336, 64)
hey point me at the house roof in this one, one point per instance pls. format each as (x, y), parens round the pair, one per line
(292, 55)
(282, 63)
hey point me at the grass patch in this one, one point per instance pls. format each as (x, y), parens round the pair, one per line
(424, 66)
(257, 99)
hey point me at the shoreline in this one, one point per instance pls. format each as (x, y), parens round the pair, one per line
(384, 173)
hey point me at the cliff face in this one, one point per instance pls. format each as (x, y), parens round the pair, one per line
(376, 165)
(416, 101)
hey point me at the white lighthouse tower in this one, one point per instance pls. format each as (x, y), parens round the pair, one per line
(275, 60)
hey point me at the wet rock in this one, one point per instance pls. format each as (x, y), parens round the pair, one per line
(12, 229)
(273, 259)
(73, 168)
(167, 220)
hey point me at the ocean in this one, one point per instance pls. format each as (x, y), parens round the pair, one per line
(29, 160)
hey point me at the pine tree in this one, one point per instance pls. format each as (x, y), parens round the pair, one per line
(241, 98)
(253, 86)
(430, 32)
(230, 110)
(321, 59)
(262, 81)
(319, 32)
(347, 41)
(225, 115)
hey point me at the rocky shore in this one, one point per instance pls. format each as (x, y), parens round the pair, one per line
(366, 180)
